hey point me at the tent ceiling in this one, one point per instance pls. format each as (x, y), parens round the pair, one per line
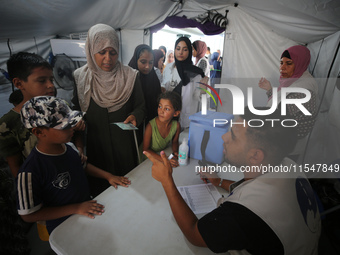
(191, 31)
(300, 20)
(39, 18)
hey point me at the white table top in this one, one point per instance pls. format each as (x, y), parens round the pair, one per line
(137, 220)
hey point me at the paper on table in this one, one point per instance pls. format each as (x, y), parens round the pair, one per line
(125, 126)
(201, 198)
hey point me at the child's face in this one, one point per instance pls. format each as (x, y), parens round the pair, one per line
(39, 83)
(57, 136)
(165, 110)
(145, 62)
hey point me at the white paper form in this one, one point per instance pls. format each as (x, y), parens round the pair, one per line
(201, 198)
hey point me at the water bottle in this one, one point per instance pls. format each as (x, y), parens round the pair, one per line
(183, 153)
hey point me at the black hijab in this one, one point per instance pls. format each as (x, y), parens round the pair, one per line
(185, 68)
(150, 83)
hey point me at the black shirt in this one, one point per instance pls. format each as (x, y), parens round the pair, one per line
(234, 227)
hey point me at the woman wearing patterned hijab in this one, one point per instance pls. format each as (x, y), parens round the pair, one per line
(199, 49)
(108, 92)
(293, 73)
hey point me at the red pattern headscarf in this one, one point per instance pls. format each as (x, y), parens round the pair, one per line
(201, 49)
(301, 58)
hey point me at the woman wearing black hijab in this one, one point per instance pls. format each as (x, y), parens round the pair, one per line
(143, 61)
(190, 76)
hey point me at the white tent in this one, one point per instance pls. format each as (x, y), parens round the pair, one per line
(257, 33)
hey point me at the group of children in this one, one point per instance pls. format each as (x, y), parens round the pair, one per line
(35, 141)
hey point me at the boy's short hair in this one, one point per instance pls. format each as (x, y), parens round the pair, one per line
(21, 64)
(48, 111)
(173, 97)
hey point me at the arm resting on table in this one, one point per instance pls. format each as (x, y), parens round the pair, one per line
(185, 218)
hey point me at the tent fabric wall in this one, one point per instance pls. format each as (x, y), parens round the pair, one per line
(324, 144)
(39, 45)
(301, 21)
(251, 51)
(129, 40)
(257, 33)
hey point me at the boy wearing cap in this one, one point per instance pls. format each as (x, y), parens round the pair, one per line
(51, 183)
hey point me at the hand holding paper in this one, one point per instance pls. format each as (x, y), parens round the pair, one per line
(131, 119)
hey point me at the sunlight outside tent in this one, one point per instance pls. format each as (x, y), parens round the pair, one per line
(168, 36)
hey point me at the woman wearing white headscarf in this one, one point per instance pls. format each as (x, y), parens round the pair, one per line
(170, 57)
(108, 92)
